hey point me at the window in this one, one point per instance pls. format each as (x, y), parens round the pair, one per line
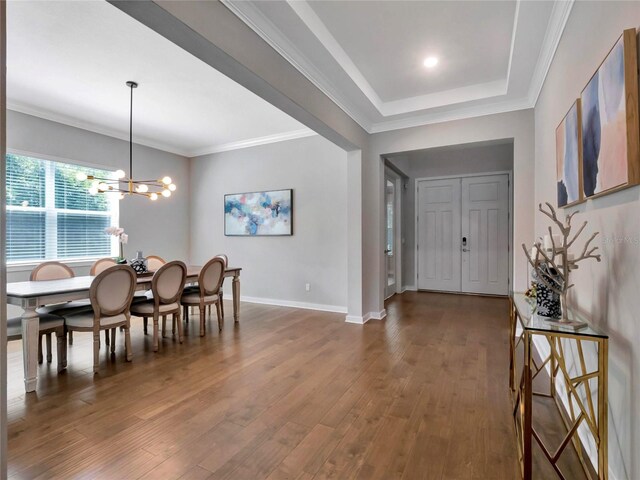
(50, 214)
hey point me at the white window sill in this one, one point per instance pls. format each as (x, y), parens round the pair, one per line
(27, 267)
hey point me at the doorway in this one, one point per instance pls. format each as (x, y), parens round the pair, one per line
(392, 229)
(462, 234)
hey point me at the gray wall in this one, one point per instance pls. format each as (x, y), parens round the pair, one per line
(277, 268)
(441, 162)
(606, 291)
(160, 228)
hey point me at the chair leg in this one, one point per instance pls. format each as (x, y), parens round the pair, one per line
(71, 338)
(173, 324)
(127, 342)
(179, 324)
(113, 340)
(106, 337)
(96, 351)
(164, 326)
(49, 349)
(40, 358)
(156, 340)
(209, 314)
(219, 314)
(202, 320)
(145, 323)
(186, 314)
(61, 350)
(221, 304)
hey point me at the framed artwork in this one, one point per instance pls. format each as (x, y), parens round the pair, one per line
(255, 214)
(609, 104)
(568, 158)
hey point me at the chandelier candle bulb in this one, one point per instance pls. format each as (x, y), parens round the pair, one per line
(153, 196)
(119, 174)
(166, 180)
(81, 176)
(166, 193)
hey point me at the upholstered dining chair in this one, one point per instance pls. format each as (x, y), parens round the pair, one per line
(48, 324)
(101, 265)
(110, 293)
(154, 262)
(207, 293)
(221, 294)
(55, 271)
(166, 287)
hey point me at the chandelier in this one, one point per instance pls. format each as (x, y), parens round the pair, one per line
(151, 189)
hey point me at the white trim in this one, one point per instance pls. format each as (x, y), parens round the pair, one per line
(409, 288)
(555, 28)
(253, 142)
(254, 19)
(461, 113)
(290, 303)
(516, 17)
(357, 319)
(377, 315)
(91, 127)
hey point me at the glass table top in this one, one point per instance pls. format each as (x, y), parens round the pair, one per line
(533, 322)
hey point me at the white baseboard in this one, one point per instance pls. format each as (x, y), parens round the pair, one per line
(289, 303)
(357, 319)
(378, 315)
(409, 288)
(365, 318)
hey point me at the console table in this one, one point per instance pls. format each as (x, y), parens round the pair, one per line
(581, 382)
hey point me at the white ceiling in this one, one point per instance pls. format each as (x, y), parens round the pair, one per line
(367, 55)
(68, 61)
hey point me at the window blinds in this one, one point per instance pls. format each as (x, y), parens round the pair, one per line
(50, 215)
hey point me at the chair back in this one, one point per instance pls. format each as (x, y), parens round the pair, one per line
(112, 290)
(154, 262)
(51, 271)
(211, 276)
(101, 265)
(168, 282)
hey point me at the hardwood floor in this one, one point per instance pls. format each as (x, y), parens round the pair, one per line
(286, 394)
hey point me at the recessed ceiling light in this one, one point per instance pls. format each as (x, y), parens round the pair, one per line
(430, 62)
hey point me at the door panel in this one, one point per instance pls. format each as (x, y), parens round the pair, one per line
(390, 234)
(485, 224)
(438, 225)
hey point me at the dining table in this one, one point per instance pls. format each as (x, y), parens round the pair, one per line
(31, 295)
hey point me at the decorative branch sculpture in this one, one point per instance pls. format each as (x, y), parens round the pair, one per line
(558, 257)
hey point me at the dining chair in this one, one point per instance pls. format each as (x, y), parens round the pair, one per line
(208, 291)
(154, 262)
(47, 325)
(110, 293)
(166, 287)
(101, 265)
(54, 271)
(226, 264)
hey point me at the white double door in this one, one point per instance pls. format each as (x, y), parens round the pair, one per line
(463, 234)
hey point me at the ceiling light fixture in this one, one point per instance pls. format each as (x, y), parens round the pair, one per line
(430, 62)
(128, 186)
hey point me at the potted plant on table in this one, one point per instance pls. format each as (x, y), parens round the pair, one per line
(122, 239)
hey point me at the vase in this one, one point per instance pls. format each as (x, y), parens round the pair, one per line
(139, 264)
(548, 302)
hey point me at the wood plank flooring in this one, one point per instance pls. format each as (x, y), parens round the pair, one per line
(285, 394)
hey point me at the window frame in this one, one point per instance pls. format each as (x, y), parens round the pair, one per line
(114, 213)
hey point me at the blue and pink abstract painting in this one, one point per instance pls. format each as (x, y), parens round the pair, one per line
(604, 126)
(259, 213)
(568, 159)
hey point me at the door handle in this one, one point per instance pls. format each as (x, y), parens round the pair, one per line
(387, 251)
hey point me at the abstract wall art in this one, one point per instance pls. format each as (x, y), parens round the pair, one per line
(268, 213)
(609, 104)
(568, 165)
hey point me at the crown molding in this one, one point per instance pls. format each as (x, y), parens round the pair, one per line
(457, 114)
(555, 28)
(224, 147)
(91, 127)
(265, 29)
(253, 142)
